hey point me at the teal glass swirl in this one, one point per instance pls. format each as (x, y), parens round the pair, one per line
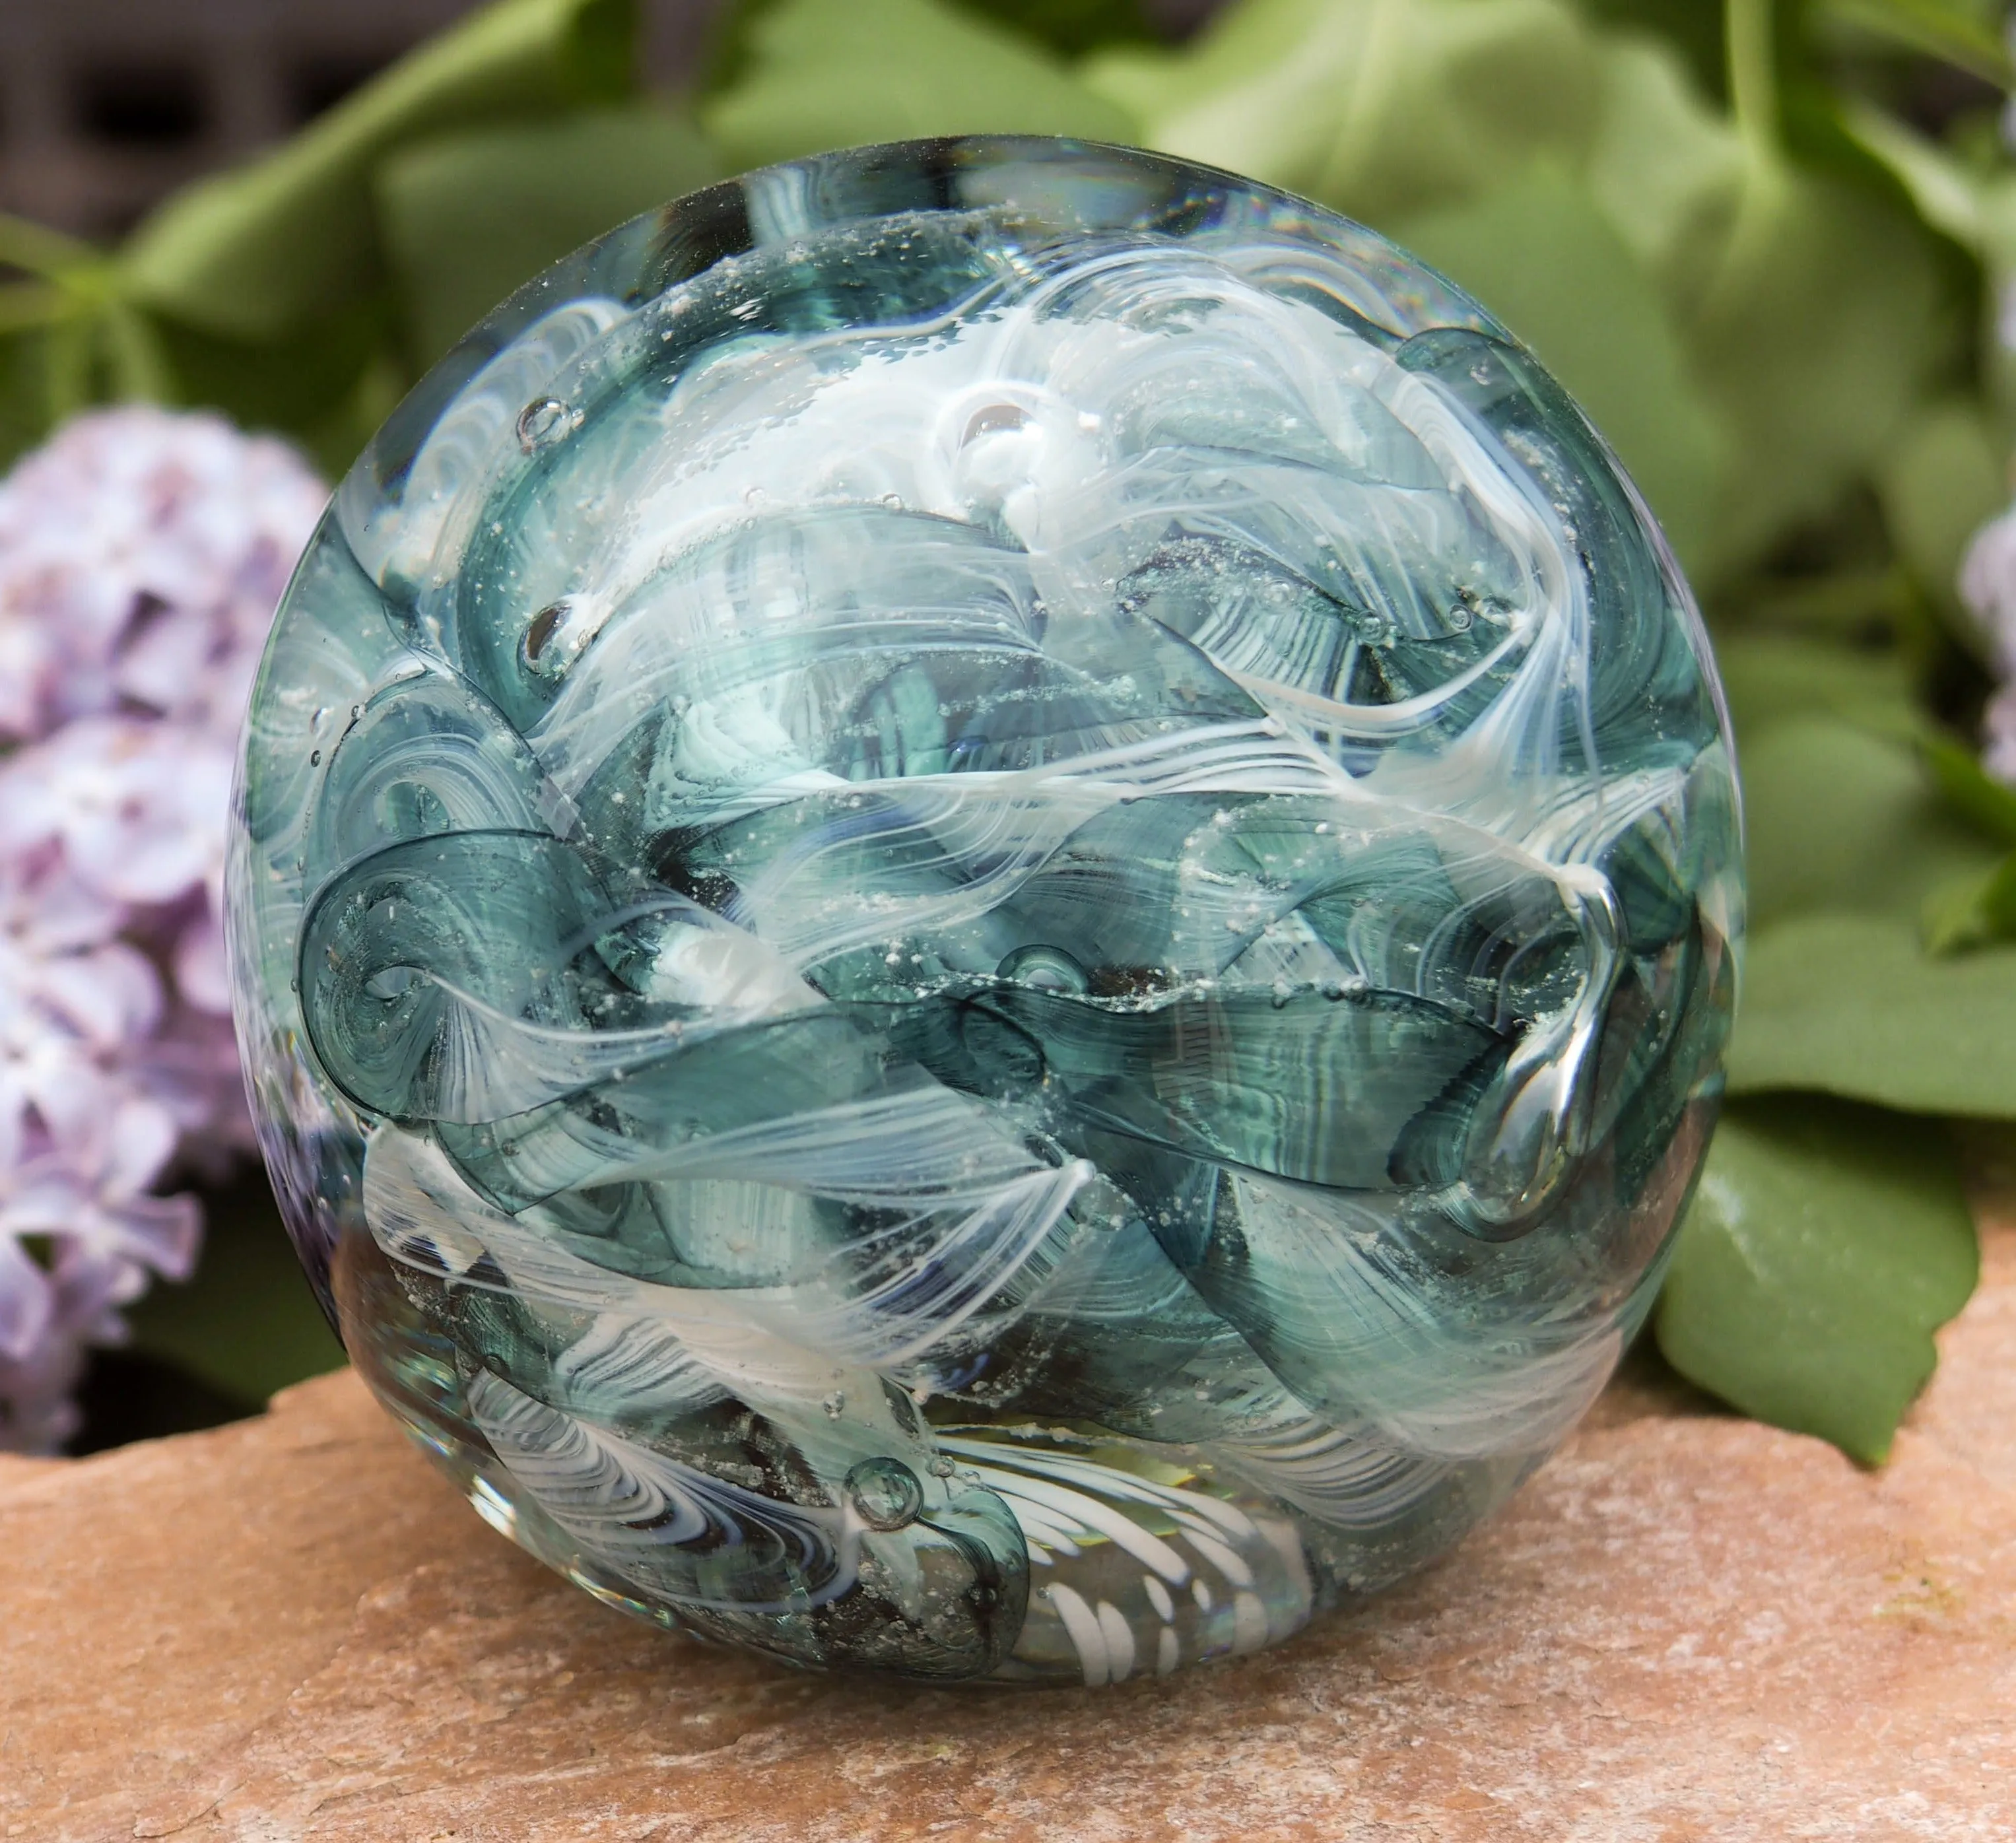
(983, 903)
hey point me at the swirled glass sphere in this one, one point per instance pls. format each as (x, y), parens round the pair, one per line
(983, 903)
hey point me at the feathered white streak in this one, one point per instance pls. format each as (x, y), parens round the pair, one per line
(1064, 1485)
(1450, 1377)
(1379, 722)
(1320, 368)
(1239, 1579)
(819, 421)
(1078, 1511)
(1515, 745)
(879, 1307)
(493, 1065)
(923, 1145)
(654, 1351)
(982, 846)
(1579, 826)
(627, 1505)
(418, 536)
(987, 834)
(622, 1367)
(1350, 1477)
(424, 1216)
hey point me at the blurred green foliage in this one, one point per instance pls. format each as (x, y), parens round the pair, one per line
(247, 1325)
(1073, 27)
(821, 74)
(1764, 245)
(465, 218)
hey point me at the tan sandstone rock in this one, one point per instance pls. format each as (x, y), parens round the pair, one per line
(1687, 1627)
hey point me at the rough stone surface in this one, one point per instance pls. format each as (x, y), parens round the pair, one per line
(1686, 1628)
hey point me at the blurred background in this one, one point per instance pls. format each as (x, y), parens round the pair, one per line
(1769, 245)
(106, 106)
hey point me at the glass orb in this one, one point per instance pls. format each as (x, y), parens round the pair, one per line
(983, 904)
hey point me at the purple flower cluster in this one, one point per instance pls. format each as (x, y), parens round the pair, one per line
(141, 555)
(1988, 586)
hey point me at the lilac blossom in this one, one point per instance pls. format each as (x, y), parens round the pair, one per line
(141, 555)
(1988, 586)
(1987, 573)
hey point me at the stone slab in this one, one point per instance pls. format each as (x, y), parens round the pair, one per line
(1688, 1627)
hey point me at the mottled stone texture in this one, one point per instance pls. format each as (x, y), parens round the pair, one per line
(1686, 1627)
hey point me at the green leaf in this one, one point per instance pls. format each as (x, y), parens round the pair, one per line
(1379, 108)
(1972, 912)
(1946, 477)
(1070, 26)
(336, 438)
(1664, 163)
(1689, 28)
(38, 250)
(23, 402)
(256, 254)
(1541, 252)
(1839, 819)
(289, 385)
(1852, 1004)
(1967, 787)
(246, 1321)
(1813, 308)
(818, 74)
(1770, 677)
(1825, 1244)
(1955, 35)
(1949, 196)
(1973, 203)
(467, 218)
(1821, 321)
(1850, 600)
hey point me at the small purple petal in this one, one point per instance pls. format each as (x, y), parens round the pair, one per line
(141, 555)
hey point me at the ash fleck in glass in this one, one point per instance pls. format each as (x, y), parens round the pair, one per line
(983, 902)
